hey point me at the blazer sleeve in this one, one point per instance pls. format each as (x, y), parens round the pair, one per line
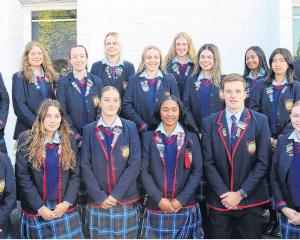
(173, 85)
(130, 70)
(133, 167)
(274, 176)
(128, 109)
(263, 153)
(214, 179)
(74, 177)
(20, 102)
(146, 177)
(255, 100)
(24, 179)
(92, 186)
(195, 175)
(94, 69)
(4, 103)
(9, 199)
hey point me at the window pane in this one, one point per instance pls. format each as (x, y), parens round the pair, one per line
(56, 31)
(296, 11)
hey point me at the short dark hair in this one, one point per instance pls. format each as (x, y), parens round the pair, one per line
(233, 77)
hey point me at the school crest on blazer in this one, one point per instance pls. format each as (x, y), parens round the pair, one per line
(125, 151)
(289, 104)
(251, 147)
(2, 185)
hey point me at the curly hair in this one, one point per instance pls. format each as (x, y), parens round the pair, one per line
(47, 66)
(37, 136)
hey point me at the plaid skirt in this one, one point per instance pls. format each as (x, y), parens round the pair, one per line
(184, 224)
(288, 231)
(121, 221)
(67, 226)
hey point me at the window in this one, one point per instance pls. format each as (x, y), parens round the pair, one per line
(296, 32)
(56, 31)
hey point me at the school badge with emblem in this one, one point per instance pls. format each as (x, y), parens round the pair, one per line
(125, 152)
(289, 104)
(251, 147)
(2, 185)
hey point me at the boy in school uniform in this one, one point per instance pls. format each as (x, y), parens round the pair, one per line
(236, 147)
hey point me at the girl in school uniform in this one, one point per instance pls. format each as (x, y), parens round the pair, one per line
(181, 59)
(7, 193)
(113, 70)
(285, 178)
(201, 94)
(110, 164)
(256, 68)
(47, 174)
(4, 107)
(77, 90)
(171, 172)
(32, 85)
(146, 88)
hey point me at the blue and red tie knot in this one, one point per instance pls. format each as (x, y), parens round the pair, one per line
(108, 130)
(82, 84)
(51, 146)
(182, 67)
(152, 82)
(40, 79)
(279, 88)
(233, 128)
(206, 82)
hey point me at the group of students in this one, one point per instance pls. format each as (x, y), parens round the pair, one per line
(126, 144)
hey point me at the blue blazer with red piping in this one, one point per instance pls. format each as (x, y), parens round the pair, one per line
(282, 160)
(191, 99)
(71, 100)
(246, 166)
(7, 193)
(26, 102)
(4, 106)
(135, 105)
(126, 164)
(260, 102)
(31, 184)
(188, 172)
(98, 69)
(181, 78)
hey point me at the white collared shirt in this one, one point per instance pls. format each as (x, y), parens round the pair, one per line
(294, 137)
(228, 117)
(281, 84)
(145, 74)
(177, 129)
(117, 122)
(56, 139)
(119, 63)
(187, 60)
(261, 73)
(201, 76)
(76, 77)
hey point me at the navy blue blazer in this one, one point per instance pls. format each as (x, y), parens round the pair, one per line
(246, 166)
(7, 192)
(26, 101)
(99, 69)
(248, 85)
(30, 182)
(191, 99)
(4, 106)
(297, 69)
(261, 102)
(68, 94)
(188, 176)
(135, 105)
(282, 160)
(126, 161)
(173, 68)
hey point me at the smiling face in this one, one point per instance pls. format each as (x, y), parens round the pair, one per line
(295, 118)
(52, 120)
(169, 113)
(78, 59)
(279, 64)
(112, 46)
(181, 47)
(234, 95)
(152, 60)
(110, 103)
(252, 60)
(35, 56)
(206, 60)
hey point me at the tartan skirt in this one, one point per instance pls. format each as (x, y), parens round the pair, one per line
(184, 224)
(121, 221)
(67, 226)
(288, 231)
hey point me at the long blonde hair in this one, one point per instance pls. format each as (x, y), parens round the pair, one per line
(216, 69)
(172, 51)
(142, 66)
(37, 135)
(47, 66)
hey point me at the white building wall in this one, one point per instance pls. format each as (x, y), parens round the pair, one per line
(233, 25)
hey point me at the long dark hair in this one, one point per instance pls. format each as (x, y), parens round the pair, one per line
(288, 58)
(183, 116)
(262, 61)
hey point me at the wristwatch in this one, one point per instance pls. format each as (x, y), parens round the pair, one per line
(243, 193)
